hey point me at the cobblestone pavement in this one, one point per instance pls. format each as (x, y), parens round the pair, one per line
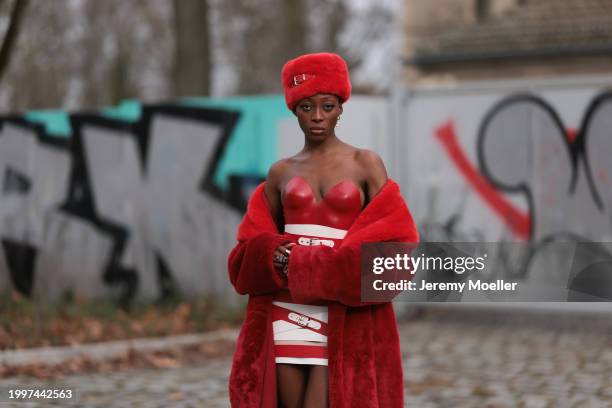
(203, 386)
(450, 360)
(541, 361)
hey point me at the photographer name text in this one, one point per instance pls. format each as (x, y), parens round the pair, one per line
(478, 285)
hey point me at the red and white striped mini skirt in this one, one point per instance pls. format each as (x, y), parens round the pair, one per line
(300, 330)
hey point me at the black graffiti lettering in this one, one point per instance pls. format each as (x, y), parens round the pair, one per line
(118, 209)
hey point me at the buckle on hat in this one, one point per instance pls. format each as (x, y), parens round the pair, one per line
(298, 79)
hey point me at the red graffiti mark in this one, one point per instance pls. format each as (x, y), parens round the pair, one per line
(571, 134)
(516, 220)
(602, 176)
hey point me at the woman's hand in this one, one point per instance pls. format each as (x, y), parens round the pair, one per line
(281, 256)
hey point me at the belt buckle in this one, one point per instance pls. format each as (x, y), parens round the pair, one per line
(299, 319)
(298, 79)
(305, 241)
(315, 241)
(304, 321)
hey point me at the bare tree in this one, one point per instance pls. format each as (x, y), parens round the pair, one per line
(12, 33)
(41, 63)
(293, 23)
(259, 36)
(326, 22)
(192, 60)
(90, 53)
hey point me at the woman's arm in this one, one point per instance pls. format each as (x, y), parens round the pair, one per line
(272, 190)
(373, 171)
(251, 265)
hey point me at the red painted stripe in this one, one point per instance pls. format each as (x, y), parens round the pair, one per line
(515, 219)
(300, 351)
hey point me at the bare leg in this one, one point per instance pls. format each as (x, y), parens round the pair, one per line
(317, 388)
(291, 384)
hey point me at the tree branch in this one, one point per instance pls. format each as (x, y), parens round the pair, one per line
(11, 34)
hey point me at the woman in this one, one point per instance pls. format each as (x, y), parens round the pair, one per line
(308, 340)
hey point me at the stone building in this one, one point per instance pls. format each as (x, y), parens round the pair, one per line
(459, 40)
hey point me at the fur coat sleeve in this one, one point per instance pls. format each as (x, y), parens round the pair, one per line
(250, 266)
(363, 344)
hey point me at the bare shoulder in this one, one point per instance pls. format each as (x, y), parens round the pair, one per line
(367, 157)
(371, 163)
(373, 170)
(277, 172)
(272, 188)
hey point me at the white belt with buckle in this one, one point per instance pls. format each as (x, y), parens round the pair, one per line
(304, 321)
(315, 241)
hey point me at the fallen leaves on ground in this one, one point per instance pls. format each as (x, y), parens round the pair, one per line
(161, 359)
(25, 323)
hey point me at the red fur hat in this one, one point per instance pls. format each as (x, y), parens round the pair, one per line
(311, 74)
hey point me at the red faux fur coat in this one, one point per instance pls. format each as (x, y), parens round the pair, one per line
(363, 344)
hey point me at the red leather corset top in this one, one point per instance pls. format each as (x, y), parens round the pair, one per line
(336, 212)
(308, 222)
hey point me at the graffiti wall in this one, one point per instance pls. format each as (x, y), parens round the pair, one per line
(128, 202)
(516, 162)
(141, 201)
